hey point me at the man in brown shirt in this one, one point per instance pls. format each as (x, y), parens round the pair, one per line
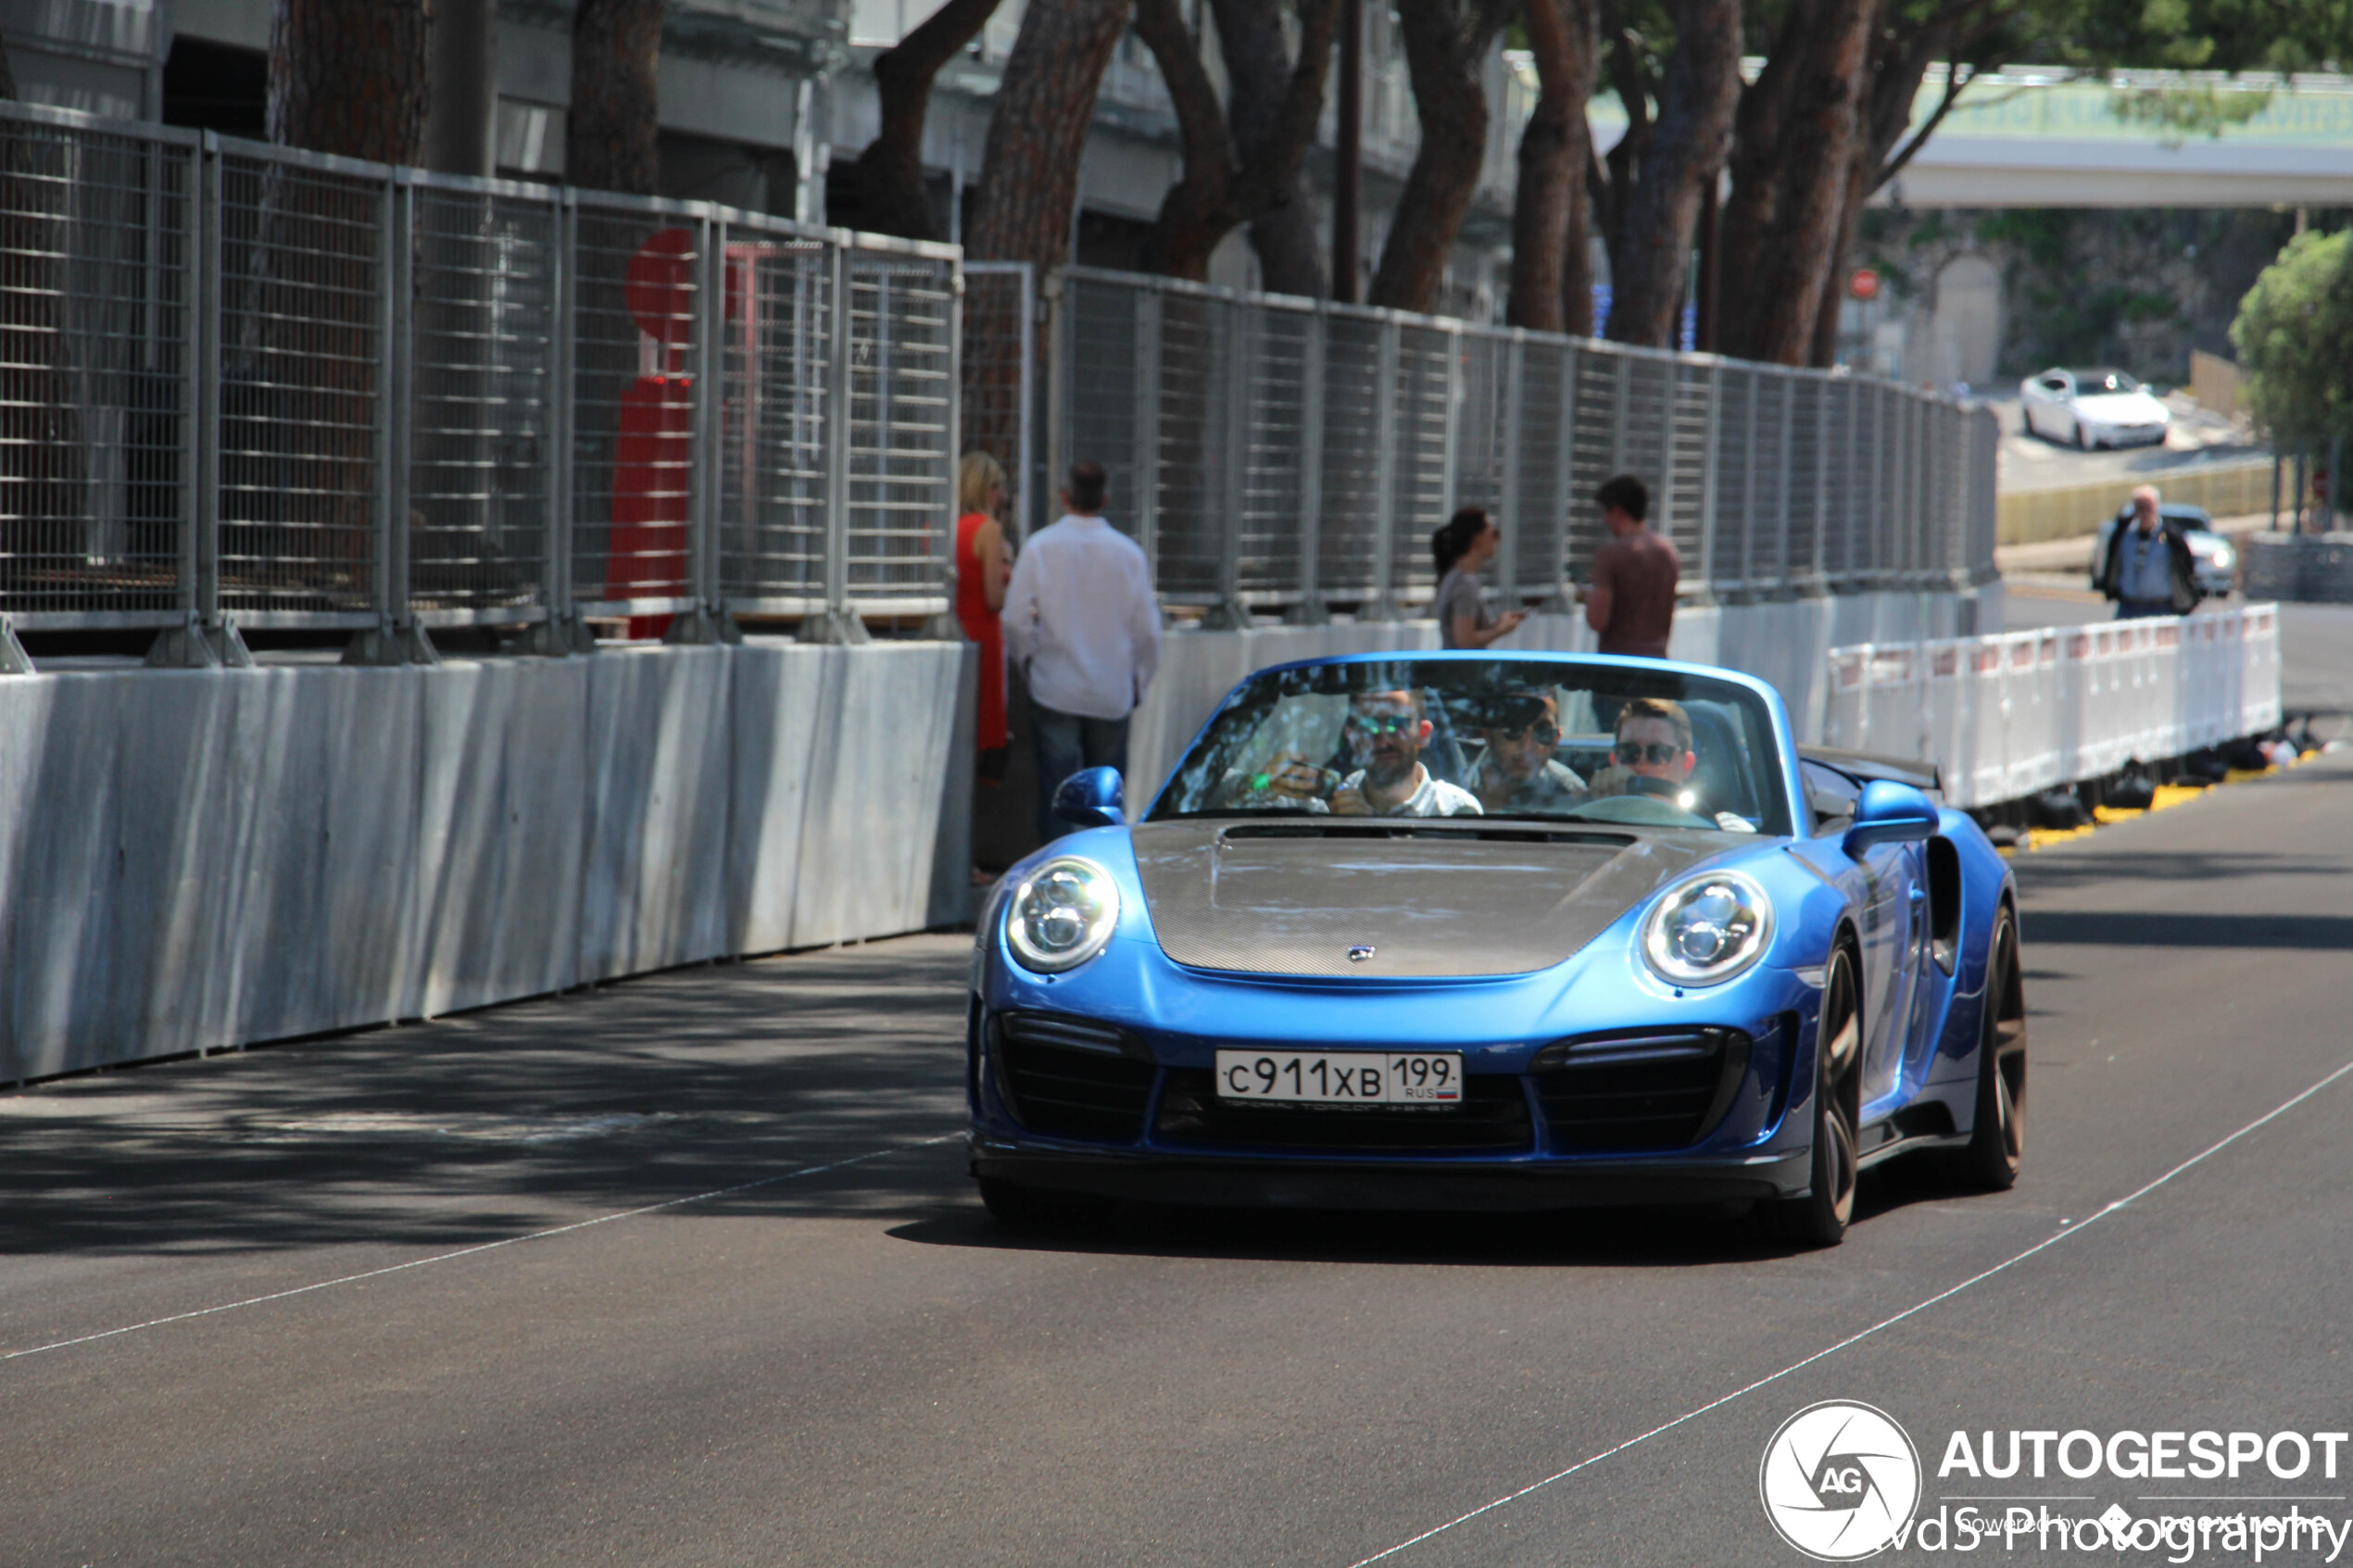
(1630, 598)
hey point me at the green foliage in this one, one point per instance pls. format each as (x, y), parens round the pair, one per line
(2226, 36)
(2181, 112)
(2294, 340)
(2042, 233)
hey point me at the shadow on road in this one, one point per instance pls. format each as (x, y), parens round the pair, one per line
(1627, 1237)
(484, 1126)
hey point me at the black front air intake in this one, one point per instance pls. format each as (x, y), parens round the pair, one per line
(1492, 1119)
(1631, 1092)
(1073, 1077)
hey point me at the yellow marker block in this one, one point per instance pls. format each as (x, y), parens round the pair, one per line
(2240, 775)
(2042, 838)
(2174, 794)
(2106, 814)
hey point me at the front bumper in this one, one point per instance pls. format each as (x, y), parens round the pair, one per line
(1241, 1181)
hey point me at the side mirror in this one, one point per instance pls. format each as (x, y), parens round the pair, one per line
(1092, 797)
(1890, 814)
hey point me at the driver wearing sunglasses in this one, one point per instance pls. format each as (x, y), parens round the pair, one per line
(1652, 754)
(1517, 775)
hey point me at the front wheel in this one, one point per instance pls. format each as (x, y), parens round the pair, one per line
(1819, 1218)
(2082, 441)
(1998, 1140)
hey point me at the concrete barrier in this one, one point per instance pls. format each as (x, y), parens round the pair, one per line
(1786, 642)
(196, 858)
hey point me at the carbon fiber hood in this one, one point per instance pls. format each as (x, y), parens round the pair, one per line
(1430, 899)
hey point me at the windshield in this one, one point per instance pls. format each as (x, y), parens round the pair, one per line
(2091, 383)
(1520, 739)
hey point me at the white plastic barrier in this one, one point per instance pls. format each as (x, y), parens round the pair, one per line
(2009, 715)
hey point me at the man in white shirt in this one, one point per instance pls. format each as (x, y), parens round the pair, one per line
(1386, 732)
(1082, 624)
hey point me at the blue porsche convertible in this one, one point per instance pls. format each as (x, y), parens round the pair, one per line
(1482, 931)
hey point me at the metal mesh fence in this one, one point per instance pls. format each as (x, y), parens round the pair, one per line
(998, 412)
(1542, 396)
(482, 437)
(902, 429)
(310, 391)
(95, 280)
(777, 357)
(635, 326)
(305, 316)
(1217, 412)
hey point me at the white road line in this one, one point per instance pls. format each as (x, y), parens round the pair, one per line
(1855, 1339)
(484, 1246)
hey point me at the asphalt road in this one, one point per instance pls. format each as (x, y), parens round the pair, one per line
(686, 1270)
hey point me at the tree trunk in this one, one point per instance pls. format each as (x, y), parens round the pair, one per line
(612, 140)
(1037, 131)
(1265, 77)
(1577, 256)
(1687, 147)
(1553, 150)
(350, 77)
(1446, 43)
(892, 194)
(1196, 212)
(1240, 165)
(1783, 259)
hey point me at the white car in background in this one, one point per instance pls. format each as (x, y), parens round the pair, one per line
(2092, 408)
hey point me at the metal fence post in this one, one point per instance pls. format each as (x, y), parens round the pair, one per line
(709, 620)
(837, 623)
(1384, 604)
(567, 633)
(1234, 461)
(1710, 521)
(1514, 522)
(396, 638)
(1556, 600)
(1816, 569)
(1148, 348)
(1449, 460)
(1310, 611)
(203, 433)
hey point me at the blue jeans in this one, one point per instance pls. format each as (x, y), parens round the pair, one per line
(1067, 743)
(2135, 609)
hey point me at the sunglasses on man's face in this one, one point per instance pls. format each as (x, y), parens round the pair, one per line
(1658, 753)
(1382, 723)
(1545, 729)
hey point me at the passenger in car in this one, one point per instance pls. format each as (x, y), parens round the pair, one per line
(1517, 775)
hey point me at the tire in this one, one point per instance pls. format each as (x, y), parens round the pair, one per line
(2082, 442)
(1998, 1139)
(1820, 1218)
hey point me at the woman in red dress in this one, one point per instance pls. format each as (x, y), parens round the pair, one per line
(983, 566)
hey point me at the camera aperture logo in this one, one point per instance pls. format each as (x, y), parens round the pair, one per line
(1840, 1481)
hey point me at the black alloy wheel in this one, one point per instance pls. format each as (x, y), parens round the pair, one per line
(1998, 1140)
(1819, 1218)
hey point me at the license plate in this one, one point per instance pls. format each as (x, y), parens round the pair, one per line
(1341, 1077)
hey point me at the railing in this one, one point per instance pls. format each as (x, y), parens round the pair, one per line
(241, 381)
(2008, 716)
(1277, 453)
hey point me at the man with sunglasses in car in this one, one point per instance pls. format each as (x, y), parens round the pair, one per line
(1383, 736)
(1653, 756)
(1518, 775)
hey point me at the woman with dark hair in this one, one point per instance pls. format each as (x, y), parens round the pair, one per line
(1462, 548)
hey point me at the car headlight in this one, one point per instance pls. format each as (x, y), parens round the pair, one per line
(1061, 915)
(1708, 930)
(2225, 556)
